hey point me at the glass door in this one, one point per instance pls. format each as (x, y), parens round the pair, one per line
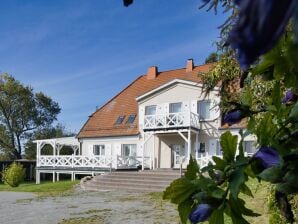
(179, 155)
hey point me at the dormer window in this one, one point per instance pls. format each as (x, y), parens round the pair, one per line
(120, 120)
(131, 119)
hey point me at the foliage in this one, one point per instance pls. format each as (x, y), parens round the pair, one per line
(272, 118)
(213, 57)
(21, 112)
(57, 131)
(13, 175)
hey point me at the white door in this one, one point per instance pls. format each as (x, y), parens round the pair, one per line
(179, 155)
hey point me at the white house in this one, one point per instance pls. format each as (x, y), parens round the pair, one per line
(158, 121)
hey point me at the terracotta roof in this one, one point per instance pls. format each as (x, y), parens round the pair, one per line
(102, 122)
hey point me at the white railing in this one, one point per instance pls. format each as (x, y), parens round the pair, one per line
(203, 160)
(132, 162)
(74, 161)
(182, 119)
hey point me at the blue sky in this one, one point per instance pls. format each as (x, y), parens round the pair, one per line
(81, 53)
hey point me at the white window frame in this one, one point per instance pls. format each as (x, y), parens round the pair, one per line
(147, 109)
(172, 105)
(200, 110)
(99, 150)
(252, 148)
(132, 150)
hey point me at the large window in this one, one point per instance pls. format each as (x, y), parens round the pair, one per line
(150, 110)
(204, 109)
(249, 147)
(175, 107)
(99, 150)
(129, 150)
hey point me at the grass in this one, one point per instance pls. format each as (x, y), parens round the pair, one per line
(44, 189)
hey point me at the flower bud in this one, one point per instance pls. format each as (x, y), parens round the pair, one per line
(268, 157)
(201, 213)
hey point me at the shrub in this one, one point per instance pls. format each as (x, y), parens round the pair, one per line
(13, 175)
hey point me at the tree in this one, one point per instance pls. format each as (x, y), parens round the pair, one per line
(57, 131)
(213, 57)
(21, 112)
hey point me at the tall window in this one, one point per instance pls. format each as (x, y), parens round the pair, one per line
(249, 147)
(150, 110)
(204, 109)
(129, 150)
(202, 148)
(175, 107)
(99, 150)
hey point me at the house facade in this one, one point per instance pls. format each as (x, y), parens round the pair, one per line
(158, 121)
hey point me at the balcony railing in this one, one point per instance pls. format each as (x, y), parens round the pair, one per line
(73, 161)
(172, 120)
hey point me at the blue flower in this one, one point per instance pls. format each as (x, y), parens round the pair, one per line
(233, 117)
(289, 97)
(268, 157)
(201, 213)
(259, 26)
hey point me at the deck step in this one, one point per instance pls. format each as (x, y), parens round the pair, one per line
(142, 181)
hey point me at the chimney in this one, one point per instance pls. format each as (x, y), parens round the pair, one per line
(189, 65)
(152, 72)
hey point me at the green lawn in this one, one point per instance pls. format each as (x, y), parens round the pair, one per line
(44, 188)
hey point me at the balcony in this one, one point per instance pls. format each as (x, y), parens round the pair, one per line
(171, 120)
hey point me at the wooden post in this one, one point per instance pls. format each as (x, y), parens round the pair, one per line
(58, 176)
(189, 144)
(54, 179)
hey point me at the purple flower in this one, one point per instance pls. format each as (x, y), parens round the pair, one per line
(259, 26)
(268, 157)
(233, 117)
(127, 2)
(289, 97)
(201, 213)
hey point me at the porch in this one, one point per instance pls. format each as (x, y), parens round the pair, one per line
(76, 163)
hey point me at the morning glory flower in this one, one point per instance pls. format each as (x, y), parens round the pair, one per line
(289, 97)
(233, 117)
(268, 157)
(201, 213)
(259, 26)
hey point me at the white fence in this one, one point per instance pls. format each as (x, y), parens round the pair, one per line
(183, 119)
(73, 161)
(205, 158)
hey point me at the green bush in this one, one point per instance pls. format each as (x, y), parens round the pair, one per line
(13, 175)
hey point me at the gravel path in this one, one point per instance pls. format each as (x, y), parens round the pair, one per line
(85, 207)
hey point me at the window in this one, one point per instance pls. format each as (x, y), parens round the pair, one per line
(175, 107)
(150, 110)
(202, 148)
(99, 150)
(204, 109)
(119, 120)
(131, 119)
(129, 150)
(249, 147)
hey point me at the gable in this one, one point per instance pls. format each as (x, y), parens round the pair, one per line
(102, 122)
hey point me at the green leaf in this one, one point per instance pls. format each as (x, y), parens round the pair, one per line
(228, 144)
(246, 190)
(276, 96)
(179, 190)
(294, 113)
(184, 210)
(220, 164)
(237, 179)
(273, 174)
(217, 217)
(192, 169)
(239, 205)
(218, 193)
